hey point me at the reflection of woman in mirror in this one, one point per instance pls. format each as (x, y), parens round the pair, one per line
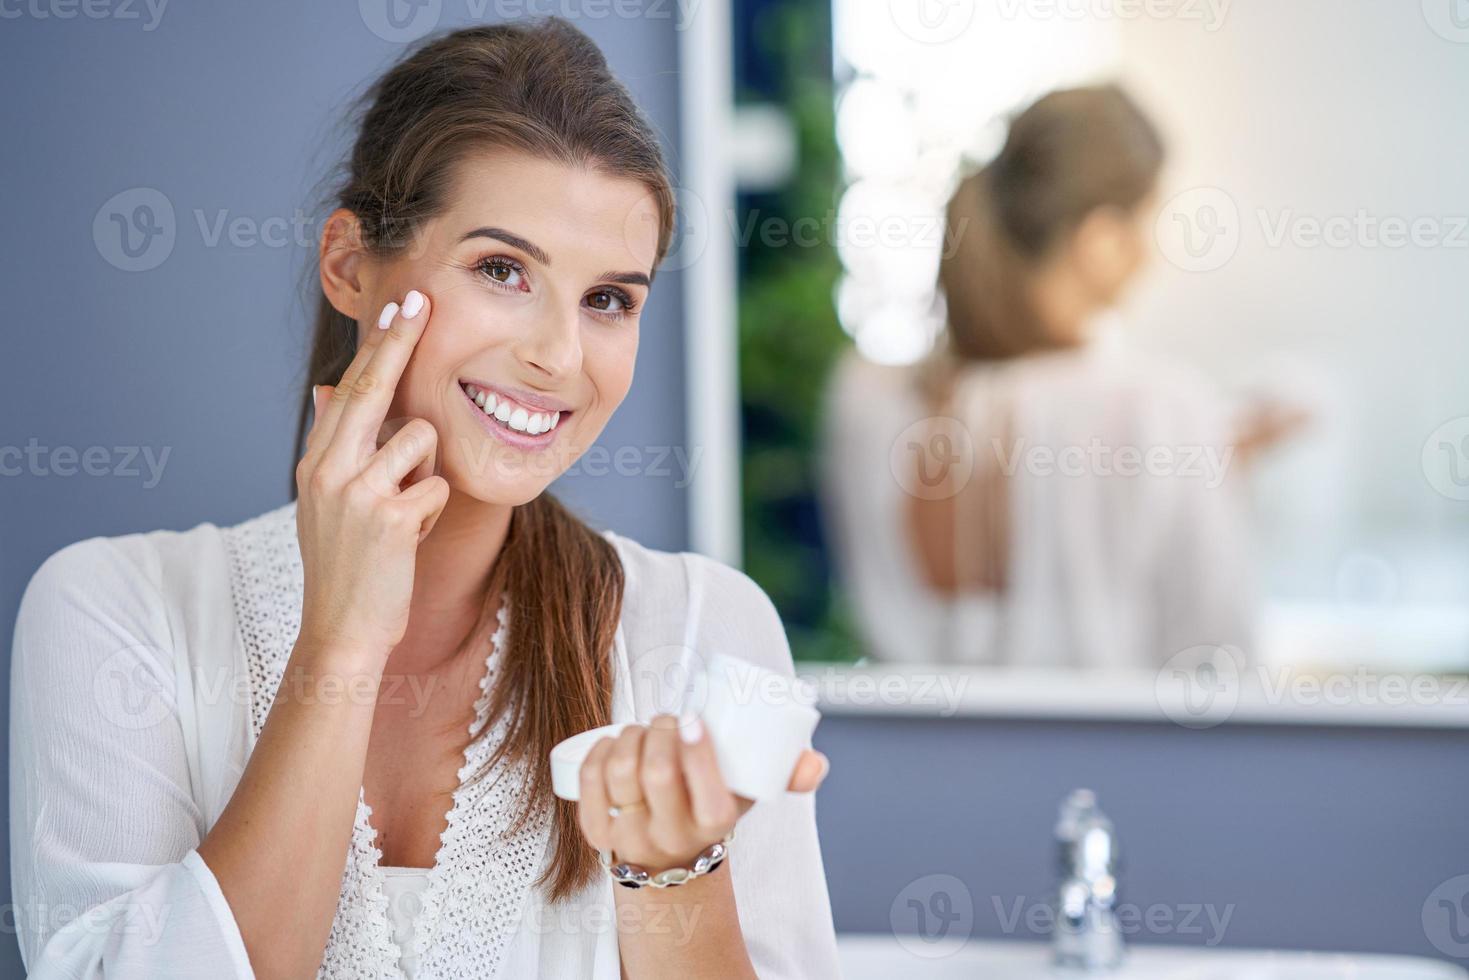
(315, 743)
(1080, 509)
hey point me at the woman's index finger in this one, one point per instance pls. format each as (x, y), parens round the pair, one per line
(371, 392)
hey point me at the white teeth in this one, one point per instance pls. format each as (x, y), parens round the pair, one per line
(514, 417)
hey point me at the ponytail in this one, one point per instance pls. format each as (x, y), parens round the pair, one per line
(1070, 153)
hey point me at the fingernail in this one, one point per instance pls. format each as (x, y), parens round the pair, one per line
(412, 303)
(825, 768)
(386, 317)
(690, 728)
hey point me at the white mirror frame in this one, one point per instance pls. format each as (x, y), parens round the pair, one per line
(711, 350)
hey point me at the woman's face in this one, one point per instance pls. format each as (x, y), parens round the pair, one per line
(536, 275)
(1114, 244)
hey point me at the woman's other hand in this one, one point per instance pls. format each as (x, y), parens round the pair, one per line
(666, 779)
(1267, 423)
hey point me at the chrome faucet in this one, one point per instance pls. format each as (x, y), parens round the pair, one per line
(1085, 934)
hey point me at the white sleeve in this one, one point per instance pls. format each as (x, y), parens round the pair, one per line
(778, 876)
(104, 830)
(1207, 592)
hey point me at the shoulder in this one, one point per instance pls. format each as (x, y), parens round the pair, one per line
(1114, 383)
(728, 610)
(858, 388)
(663, 575)
(866, 407)
(851, 368)
(117, 569)
(118, 560)
(91, 609)
(129, 585)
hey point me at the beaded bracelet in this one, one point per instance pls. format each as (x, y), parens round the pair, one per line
(636, 876)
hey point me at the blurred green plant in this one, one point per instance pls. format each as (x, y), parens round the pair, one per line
(789, 338)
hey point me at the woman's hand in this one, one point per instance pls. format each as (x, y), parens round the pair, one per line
(666, 780)
(363, 509)
(1267, 423)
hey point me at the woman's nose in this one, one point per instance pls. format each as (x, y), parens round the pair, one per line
(552, 347)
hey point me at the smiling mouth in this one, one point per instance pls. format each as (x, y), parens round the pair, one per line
(511, 415)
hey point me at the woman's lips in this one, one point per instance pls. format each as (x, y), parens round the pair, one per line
(512, 421)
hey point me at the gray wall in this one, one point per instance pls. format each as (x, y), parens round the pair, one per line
(229, 110)
(1305, 838)
(1317, 838)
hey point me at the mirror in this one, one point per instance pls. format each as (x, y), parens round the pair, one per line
(1138, 332)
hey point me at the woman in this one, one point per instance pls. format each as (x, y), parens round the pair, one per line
(1028, 495)
(315, 743)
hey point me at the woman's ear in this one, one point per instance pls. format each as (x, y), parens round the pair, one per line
(343, 262)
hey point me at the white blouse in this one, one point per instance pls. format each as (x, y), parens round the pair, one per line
(1122, 561)
(404, 889)
(143, 669)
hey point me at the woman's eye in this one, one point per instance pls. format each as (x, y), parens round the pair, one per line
(607, 301)
(502, 271)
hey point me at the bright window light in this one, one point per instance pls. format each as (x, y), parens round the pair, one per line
(925, 87)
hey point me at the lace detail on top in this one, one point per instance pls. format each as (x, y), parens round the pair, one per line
(482, 874)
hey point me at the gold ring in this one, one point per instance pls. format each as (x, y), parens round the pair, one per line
(618, 809)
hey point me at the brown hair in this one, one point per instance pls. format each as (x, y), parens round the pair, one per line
(1068, 154)
(542, 88)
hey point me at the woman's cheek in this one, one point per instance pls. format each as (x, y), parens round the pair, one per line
(426, 381)
(612, 364)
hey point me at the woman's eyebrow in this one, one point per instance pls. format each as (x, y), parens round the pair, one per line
(513, 240)
(626, 278)
(539, 254)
